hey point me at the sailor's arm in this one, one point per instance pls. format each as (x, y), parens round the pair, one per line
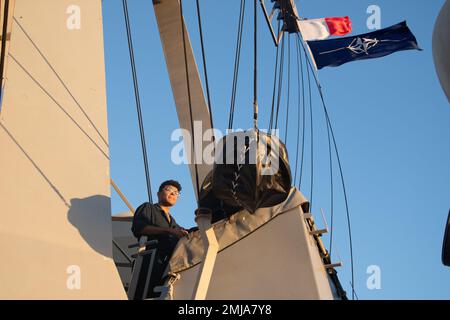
(153, 230)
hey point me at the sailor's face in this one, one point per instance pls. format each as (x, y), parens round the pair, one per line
(169, 195)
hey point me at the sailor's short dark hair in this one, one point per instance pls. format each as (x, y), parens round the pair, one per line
(172, 183)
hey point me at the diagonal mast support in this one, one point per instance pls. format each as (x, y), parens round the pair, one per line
(169, 24)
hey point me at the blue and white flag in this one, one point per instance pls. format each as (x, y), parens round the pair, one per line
(380, 43)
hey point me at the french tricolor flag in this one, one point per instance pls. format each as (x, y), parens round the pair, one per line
(320, 29)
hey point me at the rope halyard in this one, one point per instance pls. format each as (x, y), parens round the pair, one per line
(137, 98)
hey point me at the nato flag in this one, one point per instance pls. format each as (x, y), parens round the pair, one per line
(334, 52)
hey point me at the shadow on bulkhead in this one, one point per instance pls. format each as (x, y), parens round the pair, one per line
(91, 216)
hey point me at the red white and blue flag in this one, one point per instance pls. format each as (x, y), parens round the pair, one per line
(320, 29)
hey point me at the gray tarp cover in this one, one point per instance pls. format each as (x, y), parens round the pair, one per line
(189, 250)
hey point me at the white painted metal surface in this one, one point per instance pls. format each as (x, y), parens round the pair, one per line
(211, 247)
(279, 260)
(55, 234)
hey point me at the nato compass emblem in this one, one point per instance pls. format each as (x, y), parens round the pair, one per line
(362, 45)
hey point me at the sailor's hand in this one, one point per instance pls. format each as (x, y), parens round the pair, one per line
(179, 232)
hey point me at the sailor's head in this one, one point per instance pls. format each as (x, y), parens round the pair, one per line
(168, 192)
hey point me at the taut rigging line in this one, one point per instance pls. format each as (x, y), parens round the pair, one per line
(205, 70)
(255, 66)
(319, 87)
(237, 59)
(138, 101)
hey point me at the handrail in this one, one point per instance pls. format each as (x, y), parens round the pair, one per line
(122, 251)
(121, 195)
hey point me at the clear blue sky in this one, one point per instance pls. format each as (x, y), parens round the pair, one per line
(390, 117)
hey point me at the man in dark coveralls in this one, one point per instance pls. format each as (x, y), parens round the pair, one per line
(156, 222)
